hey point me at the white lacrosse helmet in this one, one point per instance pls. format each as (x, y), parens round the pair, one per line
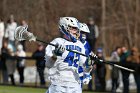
(65, 23)
(83, 31)
(84, 28)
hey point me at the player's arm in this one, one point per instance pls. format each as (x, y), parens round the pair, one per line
(49, 57)
(88, 66)
(86, 75)
(52, 52)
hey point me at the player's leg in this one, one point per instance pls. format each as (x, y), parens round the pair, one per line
(75, 89)
(57, 89)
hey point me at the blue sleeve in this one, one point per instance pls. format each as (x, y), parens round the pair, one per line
(87, 52)
(87, 48)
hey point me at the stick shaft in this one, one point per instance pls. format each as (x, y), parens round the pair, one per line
(131, 70)
(118, 66)
(39, 40)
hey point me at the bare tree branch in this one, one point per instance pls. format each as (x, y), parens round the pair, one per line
(127, 23)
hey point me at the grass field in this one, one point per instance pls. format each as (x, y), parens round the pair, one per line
(12, 89)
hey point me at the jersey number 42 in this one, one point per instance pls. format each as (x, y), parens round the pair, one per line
(72, 59)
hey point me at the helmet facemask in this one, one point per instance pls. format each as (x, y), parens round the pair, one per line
(74, 31)
(83, 37)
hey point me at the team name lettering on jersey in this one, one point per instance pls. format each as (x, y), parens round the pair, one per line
(73, 47)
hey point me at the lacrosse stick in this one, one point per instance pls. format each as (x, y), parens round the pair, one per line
(21, 33)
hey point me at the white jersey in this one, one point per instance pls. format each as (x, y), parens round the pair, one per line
(65, 69)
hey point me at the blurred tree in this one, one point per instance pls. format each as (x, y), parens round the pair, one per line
(119, 24)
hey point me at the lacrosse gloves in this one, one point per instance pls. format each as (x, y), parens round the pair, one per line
(87, 78)
(59, 50)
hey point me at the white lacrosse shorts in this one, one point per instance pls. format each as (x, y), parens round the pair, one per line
(64, 89)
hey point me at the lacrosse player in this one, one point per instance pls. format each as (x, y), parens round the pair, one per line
(85, 77)
(63, 65)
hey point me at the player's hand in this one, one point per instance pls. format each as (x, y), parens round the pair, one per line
(87, 78)
(95, 57)
(89, 61)
(59, 50)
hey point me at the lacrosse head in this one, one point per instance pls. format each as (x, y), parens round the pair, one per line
(21, 34)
